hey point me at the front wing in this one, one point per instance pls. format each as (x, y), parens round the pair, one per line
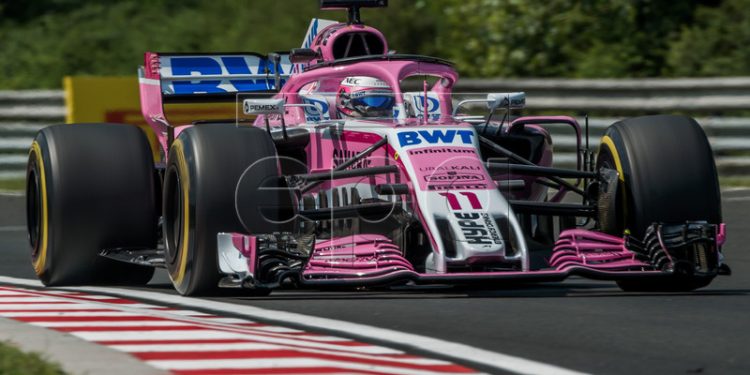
(265, 261)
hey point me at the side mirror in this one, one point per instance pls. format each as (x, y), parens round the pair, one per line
(514, 100)
(263, 106)
(302, 55)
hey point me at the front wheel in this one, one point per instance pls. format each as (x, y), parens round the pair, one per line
(207, 165)
(666, 174)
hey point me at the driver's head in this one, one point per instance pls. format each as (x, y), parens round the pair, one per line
(364, 97)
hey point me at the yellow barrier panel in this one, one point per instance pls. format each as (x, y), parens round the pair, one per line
(117, 100)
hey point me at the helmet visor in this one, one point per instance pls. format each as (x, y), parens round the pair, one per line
(379, 101)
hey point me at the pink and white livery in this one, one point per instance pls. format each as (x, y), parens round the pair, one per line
(350, 165)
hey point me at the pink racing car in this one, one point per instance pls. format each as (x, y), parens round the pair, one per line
(349, 165)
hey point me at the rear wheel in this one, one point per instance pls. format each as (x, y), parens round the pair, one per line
(89, 187)
(666, 174)
(206, 165)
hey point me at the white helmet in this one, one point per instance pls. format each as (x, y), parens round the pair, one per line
(364, 97)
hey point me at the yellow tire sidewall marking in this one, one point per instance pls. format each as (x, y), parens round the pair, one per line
(607, 141)
(610, 144)
(41, 258)
(182, 169)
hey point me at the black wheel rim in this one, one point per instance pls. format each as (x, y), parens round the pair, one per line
(33, 208)
(607, 161)
(173, 211)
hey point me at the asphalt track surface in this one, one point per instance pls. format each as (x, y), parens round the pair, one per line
(588, 326)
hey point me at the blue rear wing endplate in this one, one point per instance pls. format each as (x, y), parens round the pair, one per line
(212, 77)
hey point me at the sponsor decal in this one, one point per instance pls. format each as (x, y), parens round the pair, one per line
(477, 227)
(312, 114)
(441, 150)
(447, 165)
(221, 68)
(435, 136)
(489, 223)
(451, 168)
(368, 81)
(446, 177)
(473, 228)
(454, 186)
(453, 176)
(398, 111)
(432, 103)
(433, 106)
(311, 33)
(341, 156)
(316, 25)
(261, 107)
(508, 99)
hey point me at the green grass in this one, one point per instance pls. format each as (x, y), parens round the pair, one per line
(12, 185)
(16, 362)
(734, 181)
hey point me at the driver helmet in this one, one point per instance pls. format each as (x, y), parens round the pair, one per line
(364, 97)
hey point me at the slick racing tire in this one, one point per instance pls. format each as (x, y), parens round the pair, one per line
(666, 174)
(208, 165)
(90, 187)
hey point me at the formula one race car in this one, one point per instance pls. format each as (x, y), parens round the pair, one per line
(349, 165)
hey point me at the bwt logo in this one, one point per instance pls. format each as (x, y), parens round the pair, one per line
(222, 66)
(411, 138)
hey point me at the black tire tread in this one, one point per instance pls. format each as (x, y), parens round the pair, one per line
(217, 155)
(100, 191)
(669, 176)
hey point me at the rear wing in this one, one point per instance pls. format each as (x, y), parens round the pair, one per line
(204, 78)
(213, 77)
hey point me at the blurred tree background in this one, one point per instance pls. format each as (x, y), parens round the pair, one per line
(43, 40)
